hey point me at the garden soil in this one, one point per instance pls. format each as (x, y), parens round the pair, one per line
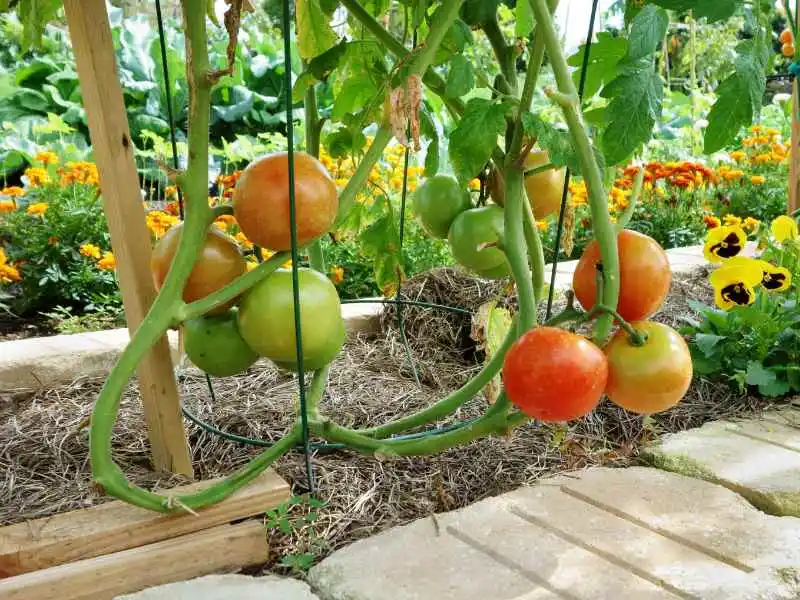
(44, 463)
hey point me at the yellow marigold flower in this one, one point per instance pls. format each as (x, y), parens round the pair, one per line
(224, 222)
(541, 225)
(756, 129)
(762, 159)
(475, 184)
(775, 279)
(750, 224)
(39, 208)
(396, 182)
(108, 262)
(412, 185)
(159, 222)
(772, 132)
(723, 243)
(9, 273)
(37, 176)
(12, 191)
(90, 251)
(242, 239)
(738, 155)
(735, 282)
(337, 274)
(341, 182)
(171, 191)
(784, 228)
(46, 158)
(758, 180)
(3, 257)
(251, 264)
(7, 206)
(374, 176)
(731, 220)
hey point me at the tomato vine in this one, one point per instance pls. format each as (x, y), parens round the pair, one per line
(634, 94)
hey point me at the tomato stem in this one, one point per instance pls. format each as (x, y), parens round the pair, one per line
(516, 247)
(567, 98)
(625, 217)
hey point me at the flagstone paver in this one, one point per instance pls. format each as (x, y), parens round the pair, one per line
(760, 459)
(228, 587)
(637, 533)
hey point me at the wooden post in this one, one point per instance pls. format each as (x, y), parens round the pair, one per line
(794, 169)
(93, 46)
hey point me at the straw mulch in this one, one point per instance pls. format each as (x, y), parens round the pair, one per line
(45, 470)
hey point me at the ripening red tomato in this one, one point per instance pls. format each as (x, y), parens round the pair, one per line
(645, 275)
(261, 200)
(554, 375)
(219, 263)
(650, 378)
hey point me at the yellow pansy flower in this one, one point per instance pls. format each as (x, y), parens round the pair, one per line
(723, 243)
(784, 228)
(735, 282)
(775, 279)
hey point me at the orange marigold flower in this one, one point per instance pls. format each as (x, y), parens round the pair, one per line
(758, 180)
(762, 159)
(337, 274)
(90, 251)
(108, 262)
(37, 176)
(541, 225)
(39, 208)
(711, 221)
(9, 273)
(7, 206)
(242, 239)
(46, 158)
(225, 221)
(159, 222)
(171, 191)
(475, 184)
(12, 191)
(732, 220)
(53, 240)
(751, 225)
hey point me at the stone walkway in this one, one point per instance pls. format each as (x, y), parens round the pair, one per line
(640, 533)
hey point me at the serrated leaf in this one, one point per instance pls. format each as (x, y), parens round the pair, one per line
(647, 30)
(739, 97)
(713, 10)
(472, 141)
(327, 62)
(707, 342)
(637, 97)
(314, 33)
(604, 57)
(557, 142)
(460, 78)
(758, 375)
(353, 96)
(524, 19)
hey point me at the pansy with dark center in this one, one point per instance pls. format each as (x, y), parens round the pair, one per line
(775, 279)
(736, 281)
(724, 243)
(727, 248)
(738, 294)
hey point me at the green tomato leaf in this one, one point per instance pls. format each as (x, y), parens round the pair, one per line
(557, 142)
(525, 20)
(707, 342)
(34, 16)
(460, 78)
(327, 62)
(420, 9)
(775, 389)
(647, 31)
(314, 33)
(739, 97)
(637, 97)
(713, 10)
(353, 96)
(604, 57)
(472, 141)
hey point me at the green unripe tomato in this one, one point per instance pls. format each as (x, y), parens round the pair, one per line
(266, 319)
(472, 228)
(213, 344)
(437, 202)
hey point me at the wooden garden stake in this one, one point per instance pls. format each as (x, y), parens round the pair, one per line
(92, 44)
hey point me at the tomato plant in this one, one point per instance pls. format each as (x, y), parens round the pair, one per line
(428, 90)
(213, 343)
(652, 377)
(554, 375)
(469, 231)
(219, 263)
(438, 201)
(644, 273)
(261, 200)
(267, 322)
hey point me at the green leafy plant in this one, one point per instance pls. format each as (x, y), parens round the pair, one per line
(297, 520)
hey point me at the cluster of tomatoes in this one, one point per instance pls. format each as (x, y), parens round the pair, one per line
(444, 209)
(261, 322)
(552, 374)
(787, 40)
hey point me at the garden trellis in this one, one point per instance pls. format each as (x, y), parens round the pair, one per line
(94, 53)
